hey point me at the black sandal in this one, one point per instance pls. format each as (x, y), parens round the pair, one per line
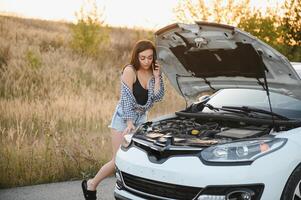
(88, 194)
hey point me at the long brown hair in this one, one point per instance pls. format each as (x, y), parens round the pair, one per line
(140, 46)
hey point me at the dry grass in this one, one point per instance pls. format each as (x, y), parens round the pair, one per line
(55, 105)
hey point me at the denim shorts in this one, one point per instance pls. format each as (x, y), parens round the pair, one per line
(119, 124)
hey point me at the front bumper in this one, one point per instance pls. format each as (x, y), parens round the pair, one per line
(123, 195)
(191, 172)
(133, 187)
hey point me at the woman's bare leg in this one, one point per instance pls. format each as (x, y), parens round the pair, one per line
(109, 168)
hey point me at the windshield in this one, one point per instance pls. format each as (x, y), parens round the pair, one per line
(283, 105)
(297, 67)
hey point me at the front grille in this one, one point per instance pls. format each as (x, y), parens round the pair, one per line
(161, 189)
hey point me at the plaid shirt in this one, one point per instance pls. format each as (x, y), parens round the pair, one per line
(131, 109)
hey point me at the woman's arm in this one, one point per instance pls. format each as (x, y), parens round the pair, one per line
(128, 78)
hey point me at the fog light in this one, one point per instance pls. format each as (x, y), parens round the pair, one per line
(211, 197)
(119, 183)
(118, 177)
(246, 196)
(241, 195)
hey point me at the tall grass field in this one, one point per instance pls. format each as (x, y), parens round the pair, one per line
(56, 103)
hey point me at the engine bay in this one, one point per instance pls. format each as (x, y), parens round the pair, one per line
(183, 131)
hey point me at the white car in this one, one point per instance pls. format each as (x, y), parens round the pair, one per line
(241, 143)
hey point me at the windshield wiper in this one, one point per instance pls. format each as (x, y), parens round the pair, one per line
(256, 110)
(211, 107)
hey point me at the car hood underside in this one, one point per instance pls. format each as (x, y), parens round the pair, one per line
(207, 57)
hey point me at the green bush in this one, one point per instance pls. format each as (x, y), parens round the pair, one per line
(87, 34)
(33, 60)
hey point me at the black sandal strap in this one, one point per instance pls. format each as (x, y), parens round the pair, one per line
(88, 194)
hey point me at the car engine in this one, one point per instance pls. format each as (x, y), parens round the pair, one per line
(181, 131)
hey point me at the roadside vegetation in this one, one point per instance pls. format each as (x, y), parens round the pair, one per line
(59, 85)
(57, 96)
(278, 25)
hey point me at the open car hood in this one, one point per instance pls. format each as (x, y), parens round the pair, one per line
(204, 57)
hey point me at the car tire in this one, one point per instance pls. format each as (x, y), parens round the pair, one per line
(292, 189)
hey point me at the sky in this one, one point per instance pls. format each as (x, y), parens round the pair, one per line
(149, 14)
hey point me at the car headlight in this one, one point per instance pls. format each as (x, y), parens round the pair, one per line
(242, 151)
(127, 139)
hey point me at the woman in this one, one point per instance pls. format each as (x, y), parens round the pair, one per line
(141, 86)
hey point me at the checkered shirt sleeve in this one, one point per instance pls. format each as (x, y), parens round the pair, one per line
(159, 95)
(127, 101)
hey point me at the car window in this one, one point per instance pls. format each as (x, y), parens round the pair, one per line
(281, 104)
(297, 67)
(298, 70)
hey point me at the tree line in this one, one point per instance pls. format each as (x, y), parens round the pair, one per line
(279, 25)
